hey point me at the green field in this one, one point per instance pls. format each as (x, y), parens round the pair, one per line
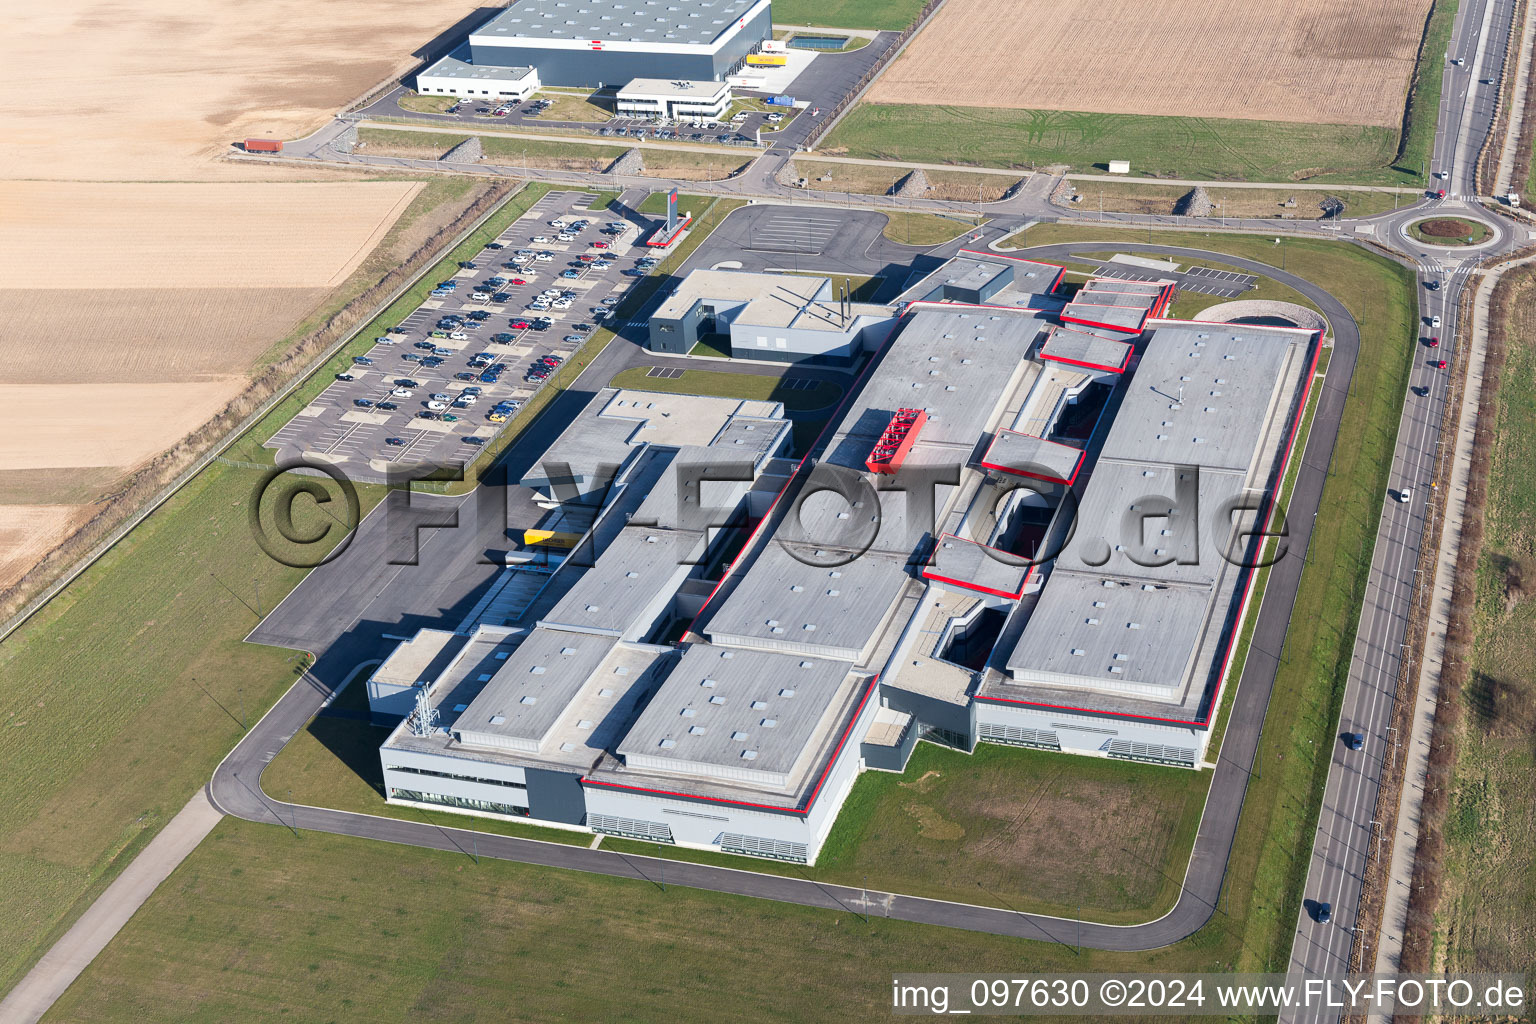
(259, 925)
(876, 14)
(1009, 827)
(1168, 147)
(426, 104)
(924, 228)
(655, 204)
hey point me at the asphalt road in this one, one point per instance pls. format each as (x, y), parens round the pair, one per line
(343, 611)
(1347, 826)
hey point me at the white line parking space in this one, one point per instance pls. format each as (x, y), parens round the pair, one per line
(457, 369)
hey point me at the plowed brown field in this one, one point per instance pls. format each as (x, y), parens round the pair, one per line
(1315, 61)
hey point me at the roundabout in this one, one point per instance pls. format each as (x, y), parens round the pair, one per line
(1448, 231)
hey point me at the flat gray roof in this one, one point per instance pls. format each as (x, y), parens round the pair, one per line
(523, 699)
(640, 21)
(1083, 348)
(1187, 546)
(956, 364)
(639, 567)
(1028, 455)
(751, 436)
(419, 659)
(831, 612)
(459, 68)
(1130, 320)
(1123, 284)
(739, 711)
(966, 563)
(1202, 394)
(1087, 631)
(671, 88)
(971, 272)
(699, 483)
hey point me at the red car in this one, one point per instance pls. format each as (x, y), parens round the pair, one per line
(587, 257)
(518, 280)
(599, 245)
(519, 325)
(1440, 364)
(1440, 194)
(1434, 342)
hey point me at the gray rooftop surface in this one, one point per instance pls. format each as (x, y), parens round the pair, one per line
(833, 611)
(958, 365)
(525, 698)
(696, 22)
(1072, 345)
(1107, 635)
(718, 705)
(1202, 395)
(700, 485)
(641, 563)
(1114, 316)
(1122, 284)
(1028, 455)
(1187, 546)
(456, 66)
(420, 659)
(967, 562)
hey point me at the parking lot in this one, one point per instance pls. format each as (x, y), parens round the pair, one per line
(454, 372)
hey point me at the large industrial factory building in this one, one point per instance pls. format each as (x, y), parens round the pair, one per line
(592, 44)
(1034, 522)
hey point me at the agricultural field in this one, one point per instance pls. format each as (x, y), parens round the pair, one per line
(27, 532)
(1311, 61)
(159, 96)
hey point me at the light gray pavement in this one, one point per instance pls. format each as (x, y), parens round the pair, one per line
(89, 935)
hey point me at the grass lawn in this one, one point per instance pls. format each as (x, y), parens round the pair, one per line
(1009, 827)
(725, 384)
(519, 152)
(426, 104)
(876, 14)
(1485, 918)
(124, 692)
(259, 925)
(1173, 147)
(577, 106)
(924, 228)
(655, 204)
(399, 142)
(1269, 862)
(705, 348)
(963, 186)
(1136, 197)
(692, 165)
(1448, 231)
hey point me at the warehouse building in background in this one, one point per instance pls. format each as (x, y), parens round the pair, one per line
(591, 44)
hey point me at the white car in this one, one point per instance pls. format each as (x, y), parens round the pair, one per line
(1434, 321)
(1404, 494)
(465, 401)
(437, 406)
(458, 336)
(401, 393)
(565, 236)
(557, 224)
(480, 296)
(545, 257)
(539, 239)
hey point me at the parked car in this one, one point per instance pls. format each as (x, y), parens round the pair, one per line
(344, 377)
(398, 442)
(437, 406)
(476, 441)
(386, 406)
(363, 403)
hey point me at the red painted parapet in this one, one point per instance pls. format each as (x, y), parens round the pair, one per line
(900, 434)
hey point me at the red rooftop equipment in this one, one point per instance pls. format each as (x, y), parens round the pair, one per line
(899, 437)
